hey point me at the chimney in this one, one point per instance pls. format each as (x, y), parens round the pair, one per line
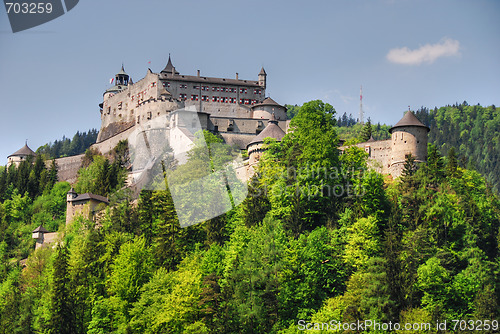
(173, 70)
(198, 73)
(236, 75)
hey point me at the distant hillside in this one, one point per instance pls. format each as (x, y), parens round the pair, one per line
(474, 132)
(67, 147)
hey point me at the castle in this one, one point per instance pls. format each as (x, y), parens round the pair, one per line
(408, 136)
(174, 106)
(235, 108)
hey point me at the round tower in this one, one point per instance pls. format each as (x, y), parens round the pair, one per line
(409, 136)
(121, 81)
(20, 155)
(255, 147)
(266, 108)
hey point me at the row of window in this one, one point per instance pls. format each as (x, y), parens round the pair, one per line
(222, 99)
(215, 89)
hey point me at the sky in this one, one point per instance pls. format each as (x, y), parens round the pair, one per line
(404, 53)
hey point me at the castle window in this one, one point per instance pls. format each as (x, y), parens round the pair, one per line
(204, 88)
(119, 105)
(196, 87)
(204, 98)
(243, 90)
(166, 84)
(194, 97)
(153, 84)
(183, 96)
(257, 91)
(215, 89)
(109, 110)
(215, 99)
(149, 115)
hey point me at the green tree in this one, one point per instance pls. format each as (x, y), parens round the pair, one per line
(366, 134)
(62, 317)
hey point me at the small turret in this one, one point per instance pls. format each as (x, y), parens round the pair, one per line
(262, 78)
(71, 195)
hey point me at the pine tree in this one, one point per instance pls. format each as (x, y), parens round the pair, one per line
(366, 134)
(451, 163)
(62, 319)
(409, 168)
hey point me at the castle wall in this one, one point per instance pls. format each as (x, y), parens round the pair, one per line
(67, 167)
(110, 143)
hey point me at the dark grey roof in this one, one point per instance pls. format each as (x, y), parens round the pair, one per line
(272, 130)
(89, 196)
(268, 102)
(115, 89)
(409, 119)
(23, 151)
(262, 71)
(208, 80)
(122, 71)
(168, 68)
(40, 229)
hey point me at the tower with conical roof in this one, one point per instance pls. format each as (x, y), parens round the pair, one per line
(20, 155)
(255, 147)
(169, 68)
(262, 77)
(408, 136)
(122, 77)
(121, 81)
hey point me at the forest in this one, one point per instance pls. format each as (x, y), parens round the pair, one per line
(320, 237)
(67, 147)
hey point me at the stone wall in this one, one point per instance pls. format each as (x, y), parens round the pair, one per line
(67, 168)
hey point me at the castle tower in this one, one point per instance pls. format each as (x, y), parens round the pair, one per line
(122, 78)
(269, 107)
(20, 155)
(121, 81)
(262, 78)
(71, 195)
(409, 136)
(255, 149)
(169, 68)
(38, 235)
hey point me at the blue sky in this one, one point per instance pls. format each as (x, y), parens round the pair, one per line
(404, 53)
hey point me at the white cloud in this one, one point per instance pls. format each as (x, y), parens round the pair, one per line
(425, 54)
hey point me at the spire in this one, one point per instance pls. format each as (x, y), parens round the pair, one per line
(169, 67)
(122, 71)
(121, 78)
(262, 71)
